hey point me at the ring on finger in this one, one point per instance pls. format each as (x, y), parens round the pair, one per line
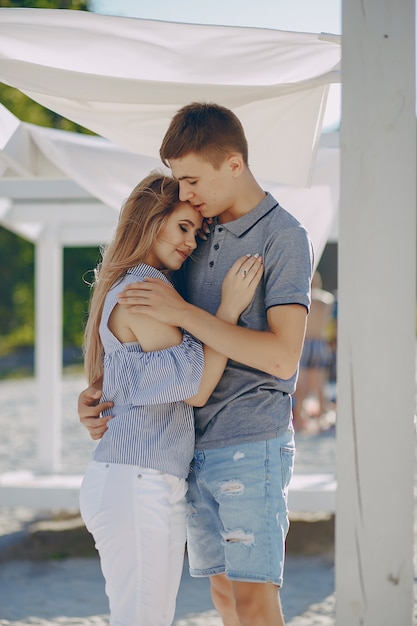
(244, 273)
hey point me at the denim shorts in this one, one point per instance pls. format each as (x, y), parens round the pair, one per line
(237, 514)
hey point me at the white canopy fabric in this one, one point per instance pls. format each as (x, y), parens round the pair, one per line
(124, 78)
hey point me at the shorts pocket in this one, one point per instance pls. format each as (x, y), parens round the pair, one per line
(287, 465)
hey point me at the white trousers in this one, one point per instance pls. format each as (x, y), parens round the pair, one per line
(137, 518)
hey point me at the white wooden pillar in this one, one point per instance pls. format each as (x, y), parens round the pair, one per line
(48, 347)
(377, 316)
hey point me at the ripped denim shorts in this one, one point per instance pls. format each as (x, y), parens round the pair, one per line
(237, 514)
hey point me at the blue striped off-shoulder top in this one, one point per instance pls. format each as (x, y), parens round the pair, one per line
(152, 425)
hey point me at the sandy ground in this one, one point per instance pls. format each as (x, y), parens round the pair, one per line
(70, 591)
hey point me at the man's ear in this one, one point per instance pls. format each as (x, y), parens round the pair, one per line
(235, 163)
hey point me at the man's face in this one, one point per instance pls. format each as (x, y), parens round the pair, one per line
(210, 191)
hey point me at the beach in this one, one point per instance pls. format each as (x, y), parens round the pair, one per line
(64, 587)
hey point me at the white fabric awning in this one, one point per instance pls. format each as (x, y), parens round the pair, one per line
(124, 78)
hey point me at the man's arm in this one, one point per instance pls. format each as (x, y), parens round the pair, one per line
(275, 352)
(90, 412)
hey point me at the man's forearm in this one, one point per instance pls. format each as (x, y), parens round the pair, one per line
(260, 350)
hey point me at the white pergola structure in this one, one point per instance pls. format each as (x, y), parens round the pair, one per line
(376, 436)
(42, 204)
(125, 78)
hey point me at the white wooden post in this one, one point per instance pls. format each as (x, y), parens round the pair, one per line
(48, 351)
(377, 306)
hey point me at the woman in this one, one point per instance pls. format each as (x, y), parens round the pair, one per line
(133, 494)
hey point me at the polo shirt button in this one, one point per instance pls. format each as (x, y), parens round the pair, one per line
(216, 246)
(139, 476)
(211, 263)
(220, 229)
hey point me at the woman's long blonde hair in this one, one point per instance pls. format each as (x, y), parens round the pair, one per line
(142, 217)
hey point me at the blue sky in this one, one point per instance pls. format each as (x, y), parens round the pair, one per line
(298, 15)
(312, 16)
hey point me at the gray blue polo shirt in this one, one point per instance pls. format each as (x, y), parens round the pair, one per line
(248, 404)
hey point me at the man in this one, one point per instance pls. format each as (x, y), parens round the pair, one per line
(237, 494)
(315, 362)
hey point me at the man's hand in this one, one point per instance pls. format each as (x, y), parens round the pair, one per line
(89, 412)
(156, 298)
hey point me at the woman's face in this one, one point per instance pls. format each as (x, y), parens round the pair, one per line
(177, 239)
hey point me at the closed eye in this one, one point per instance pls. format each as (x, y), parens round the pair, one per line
(196, 234)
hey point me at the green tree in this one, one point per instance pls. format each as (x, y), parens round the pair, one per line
(16, 291)
(79, 264)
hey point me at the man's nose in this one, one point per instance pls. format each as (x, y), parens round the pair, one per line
(185, 193)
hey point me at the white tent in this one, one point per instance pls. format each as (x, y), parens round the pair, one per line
(124, 78)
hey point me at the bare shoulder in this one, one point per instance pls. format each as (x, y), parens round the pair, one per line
(149, 333)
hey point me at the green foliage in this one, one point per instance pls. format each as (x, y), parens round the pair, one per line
(79, 264)
(78, 5)
(16, 291)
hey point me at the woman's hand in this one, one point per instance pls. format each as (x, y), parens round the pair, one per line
(239, 286)
(205, 228)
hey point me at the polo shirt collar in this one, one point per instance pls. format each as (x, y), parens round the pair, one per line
(246, 222)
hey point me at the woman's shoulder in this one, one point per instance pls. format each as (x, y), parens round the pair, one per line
(142, 271)
(132, 275)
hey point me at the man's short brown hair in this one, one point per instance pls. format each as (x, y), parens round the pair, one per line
(206, 129)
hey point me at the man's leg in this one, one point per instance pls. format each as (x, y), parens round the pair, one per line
(223, 599)
(257, 604)
(246, 604)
